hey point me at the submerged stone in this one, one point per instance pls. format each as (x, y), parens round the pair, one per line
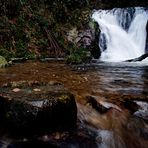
(31, 112)
(101, 106)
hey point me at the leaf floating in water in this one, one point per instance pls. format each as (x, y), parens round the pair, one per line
(16, 90)
(36, 89)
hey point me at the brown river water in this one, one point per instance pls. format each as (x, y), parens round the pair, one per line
(110, 83)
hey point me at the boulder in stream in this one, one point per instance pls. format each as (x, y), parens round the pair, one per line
(27, 111)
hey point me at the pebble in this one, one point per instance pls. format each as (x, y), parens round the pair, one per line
(36, 89)
(16, 90)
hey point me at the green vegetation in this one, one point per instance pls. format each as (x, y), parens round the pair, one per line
(78, 56)
(32, 29)
(38, 29)
(27, 32)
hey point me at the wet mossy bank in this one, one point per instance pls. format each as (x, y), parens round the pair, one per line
(38, 29)
(53, 28)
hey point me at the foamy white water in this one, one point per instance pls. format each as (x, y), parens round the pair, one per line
(109, 140)
(123, 33)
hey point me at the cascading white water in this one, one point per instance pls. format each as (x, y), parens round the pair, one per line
(123, 33)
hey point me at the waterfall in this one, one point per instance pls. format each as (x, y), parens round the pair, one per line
(123, 33)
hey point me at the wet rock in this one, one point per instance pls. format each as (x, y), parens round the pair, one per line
(83, 35)
(96, 105)
(86, 37)
(110, 105)
(27, 112)
(137, 108)
(80, 138)
(72, 34)
(130, 105)
(83, 138)
(101, 106)
(142, 112)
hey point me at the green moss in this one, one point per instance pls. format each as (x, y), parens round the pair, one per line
(3, 62)
(64, 98)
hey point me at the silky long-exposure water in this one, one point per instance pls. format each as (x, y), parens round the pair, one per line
(109, 83)
(123, 33)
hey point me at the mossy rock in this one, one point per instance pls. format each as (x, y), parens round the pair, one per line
(33, 108)
(3, 62)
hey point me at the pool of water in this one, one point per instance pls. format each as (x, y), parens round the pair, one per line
(107, 83)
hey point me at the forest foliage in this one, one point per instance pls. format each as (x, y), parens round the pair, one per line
(37, 28)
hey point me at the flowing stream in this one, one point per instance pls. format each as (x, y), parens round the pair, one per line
(123, 33)
(111, 84)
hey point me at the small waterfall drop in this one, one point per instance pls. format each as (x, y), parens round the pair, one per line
(123, 33)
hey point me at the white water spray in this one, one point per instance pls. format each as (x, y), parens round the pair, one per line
(123, 33)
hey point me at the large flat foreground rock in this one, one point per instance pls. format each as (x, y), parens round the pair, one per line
(32, 107)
